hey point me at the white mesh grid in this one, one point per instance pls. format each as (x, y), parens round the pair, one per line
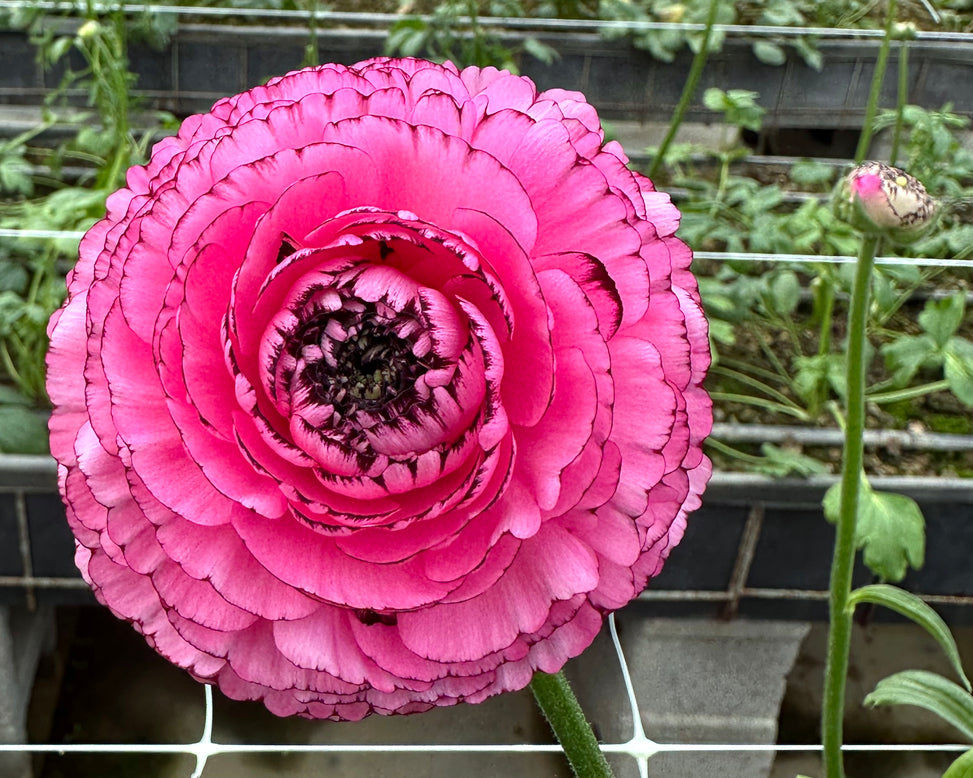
(639, 747)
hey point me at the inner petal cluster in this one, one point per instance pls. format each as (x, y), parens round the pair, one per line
(343, 363)
(381, 384)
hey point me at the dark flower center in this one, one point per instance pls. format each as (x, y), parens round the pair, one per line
(358, 361)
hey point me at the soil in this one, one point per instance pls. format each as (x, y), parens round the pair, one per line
(938, 412)
(587, 9)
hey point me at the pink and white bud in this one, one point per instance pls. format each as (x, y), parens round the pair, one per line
(880, 199)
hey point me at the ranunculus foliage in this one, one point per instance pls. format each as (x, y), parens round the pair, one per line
(377, 387)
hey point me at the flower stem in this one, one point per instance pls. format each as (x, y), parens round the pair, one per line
(312, 55)
(842, 566)
(878, 78)
(901, 101)
(688, 89)
(561, 709)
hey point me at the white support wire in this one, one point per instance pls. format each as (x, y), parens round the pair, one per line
(383, 20)
(639, 747)
(205, 747)
(811, 259)
(719, 256)
(8, 232)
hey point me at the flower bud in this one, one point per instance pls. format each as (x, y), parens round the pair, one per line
(879, 199)
(904, 31)
(672, 14)
(88, 30)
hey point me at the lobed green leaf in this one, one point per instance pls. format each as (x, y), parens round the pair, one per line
(941, 318)
(908, 354)
(890, 529)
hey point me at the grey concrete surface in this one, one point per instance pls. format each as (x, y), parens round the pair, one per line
(24, 635)
(697, 682)
(711, 682)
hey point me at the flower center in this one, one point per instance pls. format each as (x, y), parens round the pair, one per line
(358, 360)
(363, 363)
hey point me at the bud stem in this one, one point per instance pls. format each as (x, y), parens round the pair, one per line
(842, 565)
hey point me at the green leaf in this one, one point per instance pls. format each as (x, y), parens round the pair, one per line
(722, 331)
(941, 318)
(764, 199)
(769, 53)
(785, 292)
(540, 51)
(912, 607)
(58, 49)
(13, 277)
(962, 767)
(407, 37)
(780, 462)
(739, 106)
(22, 432)
(809, 51)
(907, 354)
(715, 99)
(15, 175)
(958, 368)
(927, 690)
(814, 373)
(782, 13)
(890, 529)
(810, 172)
(10, 396)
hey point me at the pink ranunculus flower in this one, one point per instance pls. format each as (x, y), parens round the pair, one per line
(378, 387)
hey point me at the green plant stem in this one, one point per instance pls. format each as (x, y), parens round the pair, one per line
(561, 709)
(735, 453)
(824, 335)
(769, 353)
(737, 365)
(835, 410)
(839, 632)
(9, 366)
(905, 294)
(754, 383)
(878, 78)
(721, 185)
(901, 101)
(26, 136)
(760, 402)
(826, 312)
(688, 89)
(909, 393)
(312, 54)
